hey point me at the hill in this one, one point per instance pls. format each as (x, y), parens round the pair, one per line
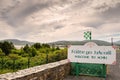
(98, 42)
(18, 42)
(117, 43)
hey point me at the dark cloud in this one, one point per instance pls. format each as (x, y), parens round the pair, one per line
(75, 5)
(112, 14)
(15, 16)
(58, 27)
(79, 4)
(94, 24)
(103, 6)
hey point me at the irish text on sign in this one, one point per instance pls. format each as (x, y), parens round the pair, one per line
(92, 53)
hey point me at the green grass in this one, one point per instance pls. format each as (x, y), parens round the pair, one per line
(5, 71)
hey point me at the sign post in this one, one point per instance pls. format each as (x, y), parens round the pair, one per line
(91, 59)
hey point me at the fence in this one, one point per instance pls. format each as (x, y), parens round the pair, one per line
(8, 65)
(88, 69)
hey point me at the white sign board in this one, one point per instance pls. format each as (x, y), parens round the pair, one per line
(92, 53)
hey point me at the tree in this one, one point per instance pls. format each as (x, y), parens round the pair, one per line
(37, 45)
(32, 52)
(14, 57)
(45, 46)
(0, 44)
(1, 53)
(6, 47)
(57, 48)
(2, 56)
(26, 48)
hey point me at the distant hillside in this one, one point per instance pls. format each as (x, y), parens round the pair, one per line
(18, 42)
(117, 43)
(98, 42)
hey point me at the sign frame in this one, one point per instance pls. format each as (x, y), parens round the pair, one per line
(92, 53)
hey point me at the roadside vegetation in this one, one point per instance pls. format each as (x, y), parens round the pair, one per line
(12, 59)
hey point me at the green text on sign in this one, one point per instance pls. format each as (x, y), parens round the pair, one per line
(92, 53)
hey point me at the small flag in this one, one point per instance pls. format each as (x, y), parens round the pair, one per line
(87, 35)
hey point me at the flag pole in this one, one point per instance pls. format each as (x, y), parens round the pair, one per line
(112, 41)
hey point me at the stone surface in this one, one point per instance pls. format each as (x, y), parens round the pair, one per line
(52, 71)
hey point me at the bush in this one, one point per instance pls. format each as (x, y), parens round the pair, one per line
(30, 56)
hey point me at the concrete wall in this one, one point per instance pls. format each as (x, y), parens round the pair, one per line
(52, 71)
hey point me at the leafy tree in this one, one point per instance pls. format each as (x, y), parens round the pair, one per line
(2, 56)
(58, 55)
(29, 51)
(37, 45)
(26, 48)
(57, 48)
(0, 44)
(16, 51)
(45, 45)
(6, 47)
(53, 49)
(33, 52)
(1, 53)
(13, 56)
(12, 45)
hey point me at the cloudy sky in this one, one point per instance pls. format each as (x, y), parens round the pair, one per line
(54, 20)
